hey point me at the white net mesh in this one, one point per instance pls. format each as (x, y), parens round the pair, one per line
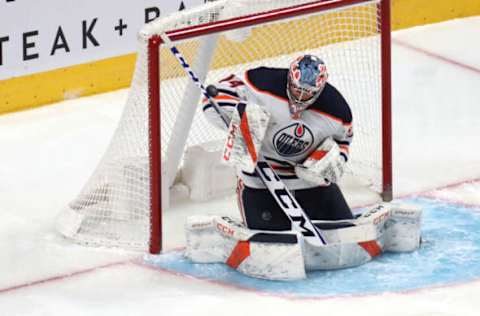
(114, 207)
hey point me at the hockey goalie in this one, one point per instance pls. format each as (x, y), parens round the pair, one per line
(299, 126)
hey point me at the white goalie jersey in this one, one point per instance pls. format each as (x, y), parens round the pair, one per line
(287, 142)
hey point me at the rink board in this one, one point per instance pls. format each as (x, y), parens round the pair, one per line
(449, 255)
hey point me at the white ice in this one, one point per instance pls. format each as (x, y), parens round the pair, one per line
(47, 154)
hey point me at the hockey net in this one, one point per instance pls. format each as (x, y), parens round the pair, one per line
(122, 202)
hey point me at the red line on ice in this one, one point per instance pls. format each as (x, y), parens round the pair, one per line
(436, 56)
(431, 194)
(62, 276)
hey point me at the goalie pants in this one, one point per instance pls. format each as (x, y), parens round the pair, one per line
(260, 210)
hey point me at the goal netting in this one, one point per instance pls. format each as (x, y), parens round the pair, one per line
(121, 204)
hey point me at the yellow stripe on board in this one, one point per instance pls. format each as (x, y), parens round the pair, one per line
(47, 87)
(409, 13)
(114, 73)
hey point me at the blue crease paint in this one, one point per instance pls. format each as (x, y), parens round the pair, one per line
(449, 254)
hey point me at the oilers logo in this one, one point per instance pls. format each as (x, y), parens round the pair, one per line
(293, 140)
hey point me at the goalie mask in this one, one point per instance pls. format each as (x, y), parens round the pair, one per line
(307, 77)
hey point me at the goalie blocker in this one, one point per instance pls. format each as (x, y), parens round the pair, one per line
(284, 255)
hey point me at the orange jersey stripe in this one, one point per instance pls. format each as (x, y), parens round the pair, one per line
(344, 148)
(240, 188)
(226, 97)
(222, 98)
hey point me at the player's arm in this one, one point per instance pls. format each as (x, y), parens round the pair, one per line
(229, 94)
(343, 139)
(248, 122)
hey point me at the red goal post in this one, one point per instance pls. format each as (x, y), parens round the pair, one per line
(129, 188)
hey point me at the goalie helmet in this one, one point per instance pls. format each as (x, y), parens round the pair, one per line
(307, 77)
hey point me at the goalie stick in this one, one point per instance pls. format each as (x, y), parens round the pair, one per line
(300, 220)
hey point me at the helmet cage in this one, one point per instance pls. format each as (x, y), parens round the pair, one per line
(307, 77)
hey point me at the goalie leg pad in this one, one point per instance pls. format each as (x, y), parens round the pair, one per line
(385, 227)
(260, 254)
(337, 256)
(350, 243)
(403, 228)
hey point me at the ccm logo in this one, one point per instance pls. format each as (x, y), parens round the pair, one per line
(225, 230)
(230, 142)
(373, 211)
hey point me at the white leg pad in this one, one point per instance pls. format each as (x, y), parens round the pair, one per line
(333, 257)
(403, 228)
(218, 239)
(273, 255)
(350, 246)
